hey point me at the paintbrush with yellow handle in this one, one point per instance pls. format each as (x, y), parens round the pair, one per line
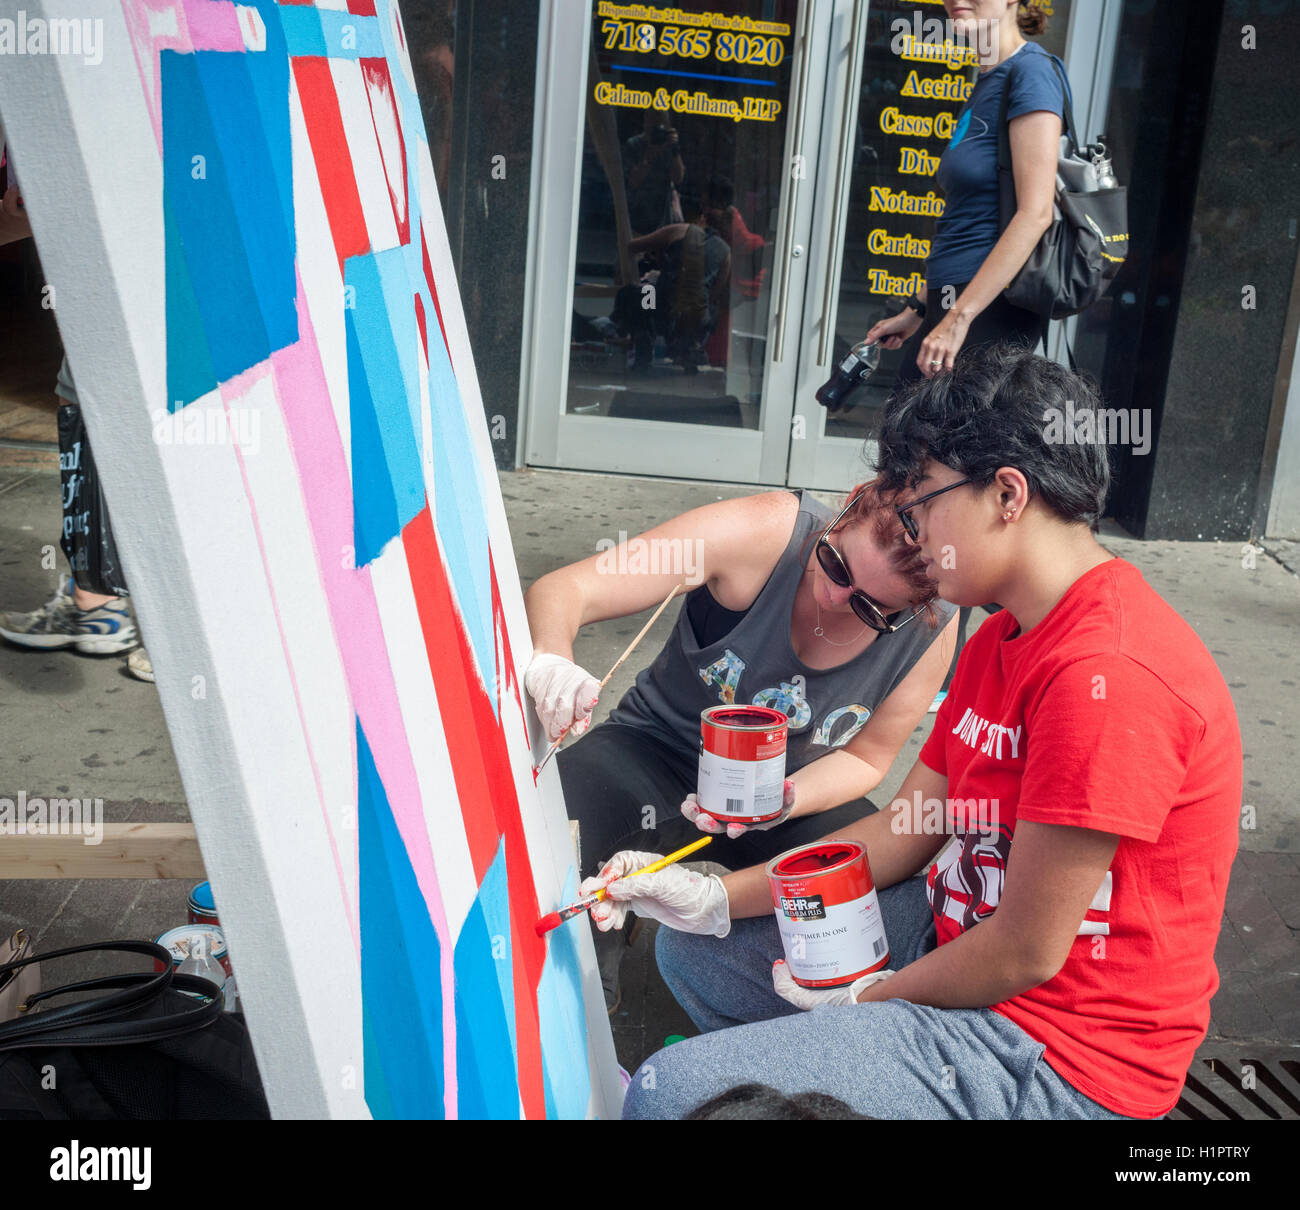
(555, 919)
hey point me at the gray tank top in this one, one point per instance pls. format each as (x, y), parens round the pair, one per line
(755, 663)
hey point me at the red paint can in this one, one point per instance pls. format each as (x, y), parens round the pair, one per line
(828, 913)
(742, 762)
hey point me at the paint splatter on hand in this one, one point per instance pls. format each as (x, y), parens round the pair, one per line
(563, 693)
(706, 822)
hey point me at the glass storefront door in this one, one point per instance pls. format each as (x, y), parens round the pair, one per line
(748, 191)
(692, 202)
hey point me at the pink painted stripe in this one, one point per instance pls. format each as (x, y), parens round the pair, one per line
(233, 391)
(214, 25)
(155, 26)
(327, 492)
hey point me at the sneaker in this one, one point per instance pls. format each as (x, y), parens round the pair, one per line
(59, 623)
(938, 701)
(139, 665)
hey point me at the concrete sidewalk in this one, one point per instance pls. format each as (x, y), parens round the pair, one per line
(80, 725)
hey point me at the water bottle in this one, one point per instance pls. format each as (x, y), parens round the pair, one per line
(850, 374)
(200, 961)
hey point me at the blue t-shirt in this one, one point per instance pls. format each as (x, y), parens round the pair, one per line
(968, 168)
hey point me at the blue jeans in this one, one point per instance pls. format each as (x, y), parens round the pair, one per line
(888, 1060)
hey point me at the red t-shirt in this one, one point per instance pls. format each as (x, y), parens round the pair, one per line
(1109, 714)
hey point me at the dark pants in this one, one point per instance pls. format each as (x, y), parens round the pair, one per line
(625, 787)
(998, 321)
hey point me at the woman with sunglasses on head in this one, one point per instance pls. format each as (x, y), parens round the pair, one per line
(828, 618)
(1057, 961)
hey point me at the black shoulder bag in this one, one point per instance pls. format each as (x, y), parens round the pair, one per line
(1081, 252)
(144, 1051)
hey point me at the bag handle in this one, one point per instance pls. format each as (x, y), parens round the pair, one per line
(1004, 136)
(90, 1030)
(100, 1021)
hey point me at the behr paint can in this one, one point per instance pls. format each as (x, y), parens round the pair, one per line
(828, 914)
(742, 763)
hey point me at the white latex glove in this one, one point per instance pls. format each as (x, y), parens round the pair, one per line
(706, 823)
(813, 997)
(675, 896)
(564, 694)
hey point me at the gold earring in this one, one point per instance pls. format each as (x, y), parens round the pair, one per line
(1008, 516)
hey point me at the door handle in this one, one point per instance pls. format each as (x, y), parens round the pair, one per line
(848, 123)
(787, 226)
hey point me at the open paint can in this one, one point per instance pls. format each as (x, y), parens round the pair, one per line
(828, 914)
(189, 938)
(742, 762)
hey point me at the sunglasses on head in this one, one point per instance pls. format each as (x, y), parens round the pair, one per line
(837, 571)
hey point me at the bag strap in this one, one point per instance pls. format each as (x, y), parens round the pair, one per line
(1067, 105)
(135, 989)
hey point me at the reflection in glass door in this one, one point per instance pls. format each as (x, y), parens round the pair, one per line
(868, 254)
(688, 201)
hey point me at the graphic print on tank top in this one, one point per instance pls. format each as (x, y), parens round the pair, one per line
(789, 697)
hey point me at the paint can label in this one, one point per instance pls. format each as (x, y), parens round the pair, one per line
(828, 914)
(742, 763)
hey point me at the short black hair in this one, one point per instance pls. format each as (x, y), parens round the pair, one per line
(759, 1103)
(993, 410)
(720, 191)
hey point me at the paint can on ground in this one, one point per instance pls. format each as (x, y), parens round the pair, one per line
(202, 905)
(742, 762)
(181, 940)
(828, 913)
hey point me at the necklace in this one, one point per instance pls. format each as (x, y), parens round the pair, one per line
(821, 634)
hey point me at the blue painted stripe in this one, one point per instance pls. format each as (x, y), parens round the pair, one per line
(198, 189)
(562, 1018)
(249, 151)
(334, 34)
(401, 984)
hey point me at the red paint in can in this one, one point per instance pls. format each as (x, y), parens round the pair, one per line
(742, 762)
(828, 913)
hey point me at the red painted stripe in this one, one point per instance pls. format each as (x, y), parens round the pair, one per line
(379, 91)
(485, 782)
(361, 8)
(329, 149)
(424, 330)
(433, 293)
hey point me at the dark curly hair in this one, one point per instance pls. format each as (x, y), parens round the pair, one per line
(992, 411)
(1031, 19)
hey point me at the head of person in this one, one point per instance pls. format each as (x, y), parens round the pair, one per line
(1028, 15)
(994, 439)
(872, 546)
(692, 205)
(718, 193)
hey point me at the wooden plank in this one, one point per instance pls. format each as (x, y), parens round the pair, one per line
(126, 850)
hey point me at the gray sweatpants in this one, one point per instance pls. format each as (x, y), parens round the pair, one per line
(889, 1060)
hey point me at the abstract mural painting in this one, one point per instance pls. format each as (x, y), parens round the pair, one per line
(238, 213)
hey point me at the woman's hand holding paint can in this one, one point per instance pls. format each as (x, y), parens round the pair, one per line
(564, 694)
(706, 823)
(675, 896)
(814, 997)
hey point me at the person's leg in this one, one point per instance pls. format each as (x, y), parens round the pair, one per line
(893, 1060)
(888, 1060)
(728, 982)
